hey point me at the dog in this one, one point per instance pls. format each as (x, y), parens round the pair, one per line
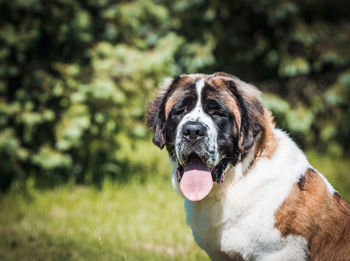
(250, 193)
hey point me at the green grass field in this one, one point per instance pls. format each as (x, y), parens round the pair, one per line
(129, 222)
(134, 221)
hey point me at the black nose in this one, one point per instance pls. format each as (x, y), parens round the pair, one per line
(193, 131)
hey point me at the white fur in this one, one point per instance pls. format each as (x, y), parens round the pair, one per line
(236, 219)
(198, 114)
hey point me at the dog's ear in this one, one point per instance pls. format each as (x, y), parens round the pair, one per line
(155, 113)
(252, 113)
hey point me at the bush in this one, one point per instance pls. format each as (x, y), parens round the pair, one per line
(75, 75)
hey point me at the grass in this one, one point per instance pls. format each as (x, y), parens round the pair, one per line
(129, 222)
(134, 221)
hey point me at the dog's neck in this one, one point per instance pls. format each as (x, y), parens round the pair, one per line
(234, 173)
(264, 147)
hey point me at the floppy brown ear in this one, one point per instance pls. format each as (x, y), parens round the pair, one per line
(155, 115)
(252, 113)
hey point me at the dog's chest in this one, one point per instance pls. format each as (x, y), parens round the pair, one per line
(237, 232)
(240, 225)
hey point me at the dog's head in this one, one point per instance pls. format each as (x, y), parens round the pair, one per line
(205, 122)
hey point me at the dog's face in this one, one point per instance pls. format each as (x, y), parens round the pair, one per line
(213, 118)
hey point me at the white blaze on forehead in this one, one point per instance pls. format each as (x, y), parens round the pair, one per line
(199, 87)
(198, 115)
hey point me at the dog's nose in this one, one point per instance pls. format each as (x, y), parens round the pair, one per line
(193, 131)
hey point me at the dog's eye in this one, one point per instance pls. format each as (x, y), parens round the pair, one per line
(217, 113)
(215, 110)
(180, 111)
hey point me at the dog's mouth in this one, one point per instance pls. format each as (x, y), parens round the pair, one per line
(196, 179)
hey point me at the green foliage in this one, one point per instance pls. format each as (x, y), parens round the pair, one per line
(75, 75)
(72, 80)
(297, 52)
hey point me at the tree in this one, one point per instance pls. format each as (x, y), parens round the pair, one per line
(75, 75)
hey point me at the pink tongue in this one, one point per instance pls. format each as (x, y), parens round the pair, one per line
(196, 181)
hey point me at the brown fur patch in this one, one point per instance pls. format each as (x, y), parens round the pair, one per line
(322, 218)
(225, 96)
(268, 143)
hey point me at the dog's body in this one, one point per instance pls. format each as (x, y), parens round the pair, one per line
(268, 202)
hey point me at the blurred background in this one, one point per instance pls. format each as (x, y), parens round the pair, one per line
(79, 176)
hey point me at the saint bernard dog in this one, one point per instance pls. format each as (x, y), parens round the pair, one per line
(250, 193)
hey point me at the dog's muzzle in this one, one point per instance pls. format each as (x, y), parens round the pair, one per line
(195, 142)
